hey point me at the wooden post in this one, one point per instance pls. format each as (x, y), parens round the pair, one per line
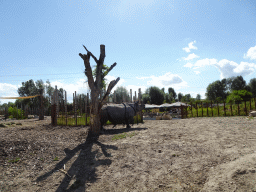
(137, 113)
(140, 102)
(202, 108)
(87, 110)
(75, 109)
(211, 108)
(224, 109)
(238, 109)
(41, 113)
(135, 97)
(207, 109)
(245, 108)
(231, 108)
(80, 111)
(196, 110)
(54, 107)
(66, 108)
(218, 108)
(131, 95)
(191, 109)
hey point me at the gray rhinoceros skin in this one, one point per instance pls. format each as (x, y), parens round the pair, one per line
(120, 113)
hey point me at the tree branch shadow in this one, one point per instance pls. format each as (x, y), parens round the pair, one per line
(83, 168)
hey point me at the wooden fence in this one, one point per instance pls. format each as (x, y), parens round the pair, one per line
(38, 111)
(184, 109)
(80, 109)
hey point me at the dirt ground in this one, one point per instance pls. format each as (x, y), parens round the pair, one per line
(196, 154)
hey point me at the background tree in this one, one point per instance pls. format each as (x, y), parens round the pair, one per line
(187, 97)
(146, 98)
(156, 95)
(217, 89)
(252, 86)
(239, 95)
(168, 98)
(198, 97)
(95, 88)
(120, 93)
(171, 90)
(238, 83)
(180, 95)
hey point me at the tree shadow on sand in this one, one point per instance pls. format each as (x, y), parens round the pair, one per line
(83, 168)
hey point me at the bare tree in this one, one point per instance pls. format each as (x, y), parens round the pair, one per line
(95, 87)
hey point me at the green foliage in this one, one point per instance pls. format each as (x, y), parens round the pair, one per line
(198, 97)
(238, 83)
(172, 93)
(252, 86)
(103, 74)
(156, 95)
(13, 112)
(56, 159)
(240, 95)
(120, 92)
(145, 98)
(180, 95)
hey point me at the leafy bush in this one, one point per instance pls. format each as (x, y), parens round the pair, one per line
(15, 113)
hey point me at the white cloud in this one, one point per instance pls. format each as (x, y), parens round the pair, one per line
(197, 72)
(190, 57)
(190, 46)
(251, 53)
(167, 80)
(142, 78)
(204, 62)
(8, 90)
(188, 65)
(230, 68)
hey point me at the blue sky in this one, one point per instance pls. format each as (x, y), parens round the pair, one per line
(181, 44)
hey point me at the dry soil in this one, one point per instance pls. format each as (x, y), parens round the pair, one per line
(196, 154)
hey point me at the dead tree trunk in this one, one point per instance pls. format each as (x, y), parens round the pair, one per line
(96, 103)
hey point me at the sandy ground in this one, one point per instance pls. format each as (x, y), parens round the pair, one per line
(197, 154)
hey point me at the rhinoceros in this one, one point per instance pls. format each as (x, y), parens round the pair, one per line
(120, 113)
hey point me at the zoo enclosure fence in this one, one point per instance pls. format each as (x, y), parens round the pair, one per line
(247, 107)
(79, 112)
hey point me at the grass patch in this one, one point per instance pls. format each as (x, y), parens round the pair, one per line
(213, 112)
(14, 160)
(123, 135)
(56, 159)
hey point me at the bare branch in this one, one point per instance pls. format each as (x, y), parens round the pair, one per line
(89, 53)
(110, 68)
(110, 87)
(88, 70)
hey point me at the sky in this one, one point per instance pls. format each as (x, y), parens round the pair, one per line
(181, 44)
